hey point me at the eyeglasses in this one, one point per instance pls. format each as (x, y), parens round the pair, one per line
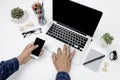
(35, 31)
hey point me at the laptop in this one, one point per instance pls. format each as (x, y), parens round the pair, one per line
(73, 24)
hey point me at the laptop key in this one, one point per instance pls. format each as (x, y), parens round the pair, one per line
(62, 40)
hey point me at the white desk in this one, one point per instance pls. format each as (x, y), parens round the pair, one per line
(12, 42)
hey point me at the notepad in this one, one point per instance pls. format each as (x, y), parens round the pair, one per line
(94, 65)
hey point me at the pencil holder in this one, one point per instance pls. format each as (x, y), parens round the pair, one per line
(39, 12)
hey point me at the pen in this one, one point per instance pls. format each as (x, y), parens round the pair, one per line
(93, 60)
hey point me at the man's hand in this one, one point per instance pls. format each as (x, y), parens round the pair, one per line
(24, 57)
(62, 60)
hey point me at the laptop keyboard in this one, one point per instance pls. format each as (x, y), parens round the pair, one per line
(71, 38)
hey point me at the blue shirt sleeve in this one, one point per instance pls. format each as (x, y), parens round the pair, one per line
(63, 76)
(8, 67)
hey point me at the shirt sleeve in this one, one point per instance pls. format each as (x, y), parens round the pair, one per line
(63, 76)
(8, 67)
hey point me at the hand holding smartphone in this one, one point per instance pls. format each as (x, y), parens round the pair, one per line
(35, 53)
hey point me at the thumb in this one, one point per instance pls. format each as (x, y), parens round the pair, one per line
(72, 54)
(54, 57)
(33, 47)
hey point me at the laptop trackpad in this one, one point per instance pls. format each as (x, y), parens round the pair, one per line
(78, 58)
(52, 44)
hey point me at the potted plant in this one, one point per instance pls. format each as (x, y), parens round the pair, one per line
(18, 15)
(106, 39)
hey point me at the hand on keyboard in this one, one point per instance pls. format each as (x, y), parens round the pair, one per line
(62, 60)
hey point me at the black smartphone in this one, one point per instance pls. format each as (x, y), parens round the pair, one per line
(36, 52)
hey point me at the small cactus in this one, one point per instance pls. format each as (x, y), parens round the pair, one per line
(17, 13)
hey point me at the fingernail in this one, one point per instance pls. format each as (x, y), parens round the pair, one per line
(37, 45)
(58, 48)
(65, 45)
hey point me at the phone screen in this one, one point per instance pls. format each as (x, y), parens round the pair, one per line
(39, 42)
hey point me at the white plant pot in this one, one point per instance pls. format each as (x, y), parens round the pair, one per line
(103, 43)
(22, 19)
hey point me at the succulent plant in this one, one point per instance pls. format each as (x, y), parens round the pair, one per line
(17, 13)
(108, 38)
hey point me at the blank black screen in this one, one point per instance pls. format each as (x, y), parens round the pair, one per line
(79, 17)
(39, 42)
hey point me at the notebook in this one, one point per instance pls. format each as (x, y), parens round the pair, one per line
(94, 55)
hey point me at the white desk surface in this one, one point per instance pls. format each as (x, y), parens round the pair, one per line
(12, 42)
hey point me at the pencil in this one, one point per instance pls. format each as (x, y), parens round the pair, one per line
(93, 60)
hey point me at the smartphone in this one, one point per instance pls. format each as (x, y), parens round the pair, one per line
(36, 52)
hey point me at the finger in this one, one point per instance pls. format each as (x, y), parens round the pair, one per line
(65, 50)
(33, 47)
(54, 57)
(42, 52)
(30, 45)
(59, 52)
(72, 54)
(68, 50)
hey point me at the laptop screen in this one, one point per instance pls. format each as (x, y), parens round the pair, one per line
(79, 17)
